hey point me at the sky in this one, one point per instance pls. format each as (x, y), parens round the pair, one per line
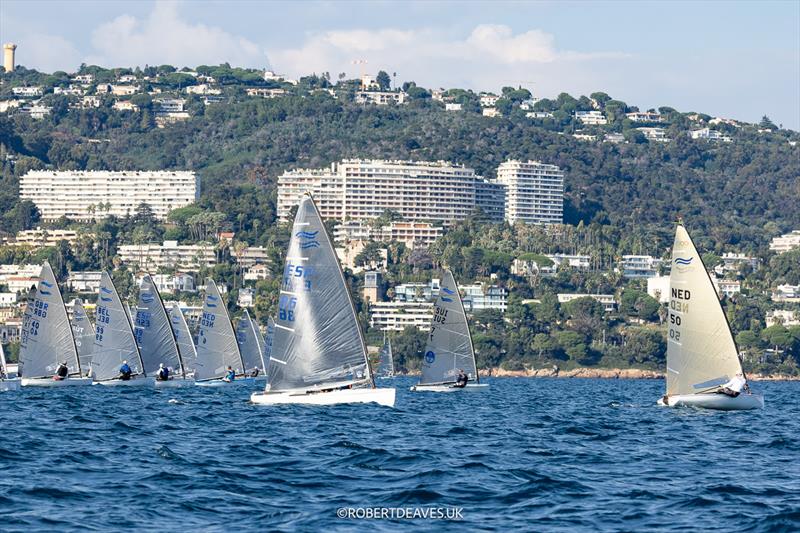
(736, 60)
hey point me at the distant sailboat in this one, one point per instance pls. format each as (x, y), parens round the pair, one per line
(385, 360)
(183, 337)
(46, 339)
(7, 383)
(83, 330)
(449, 349)
(217, 348)
(318, 354)
(153, 333)
(702, 357)
(251, 345)
(114, 341)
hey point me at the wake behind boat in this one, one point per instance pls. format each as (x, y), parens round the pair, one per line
(47, 351)
(703, 366)
(449, 361)
(318, 355)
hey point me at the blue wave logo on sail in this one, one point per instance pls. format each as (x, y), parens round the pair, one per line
(307, 234)
(448, 291)
(107, 291)
(310, 244)
(46, 284)
(310, 238)
(446, 299)
(105, 299)
(212, 298)
(44, 292)
(210, 304)
(683, 261)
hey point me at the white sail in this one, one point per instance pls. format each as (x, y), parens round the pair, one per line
(385, 360)
(247, 336)
(83, 331)
(449, 348)
(183, 337)
(217, 348)
(262, 344)
(46, 338)
(701, 352)
(114, 341)
(268, 342)
(151, 327)
(317, 340)
(3, 367)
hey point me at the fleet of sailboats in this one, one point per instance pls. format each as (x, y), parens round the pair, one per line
(217, 348)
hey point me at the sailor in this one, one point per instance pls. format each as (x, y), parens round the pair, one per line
(62, 372)
(125, 371)
(163, 373)
(461, 380)
(254, 373)
(230, 375)
(734, 387)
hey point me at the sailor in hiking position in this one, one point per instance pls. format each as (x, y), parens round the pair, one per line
(163, 373)
(230, 375)
(62, 372)
(125, 371)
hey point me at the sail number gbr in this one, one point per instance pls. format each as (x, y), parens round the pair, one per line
(678, 305)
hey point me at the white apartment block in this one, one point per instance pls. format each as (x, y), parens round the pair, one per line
(490, 112)
(84, 282)
(203, 89)
(125, 105)
(122, 90)
(607, 300)
(726, 287)
(539, 114)
(356, 189)
(397, 315)
(409, 233)
(586, 137)
(707, 134)
(452, 107)
(171, 255)
(731, 263)
(655, 134)
(784, 317)
(257, 273)
(577, 262)
(170, 105)
(489, 100)
(479, 296)
(83, 79)
(93, 195)
(534, 192)
(591, 118)
(644, 116)
(380, 97)
(250, 256)
(178, 282)
(47, 237)
(639, 266)
(27, 92)
(38, 112)
(69, 91)
(786, 293)
(786, 242)
(266, 93)
(21, 284)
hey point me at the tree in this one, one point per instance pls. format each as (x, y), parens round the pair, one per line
(383, 80)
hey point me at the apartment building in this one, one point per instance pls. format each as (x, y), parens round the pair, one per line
(171, 255)
(534, 192)
(786, 242)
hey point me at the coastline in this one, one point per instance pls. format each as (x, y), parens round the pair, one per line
(602, 373)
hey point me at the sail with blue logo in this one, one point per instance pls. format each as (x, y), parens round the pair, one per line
(83, 331)
(701, 352)
(449, 347)
(46, 338)
(151, 327)
(247, 336)
(317, 341)
(217, 347)
(113, 341)
(183, 337)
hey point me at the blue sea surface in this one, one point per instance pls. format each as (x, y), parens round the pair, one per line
(526, 455)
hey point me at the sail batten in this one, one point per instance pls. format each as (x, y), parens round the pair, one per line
(154, 336)
(449, 347)
(316, 339)
(114, 339)
(46, 338)
(217, 347)
(701, 352)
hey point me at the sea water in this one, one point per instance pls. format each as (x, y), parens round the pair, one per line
(525, 455)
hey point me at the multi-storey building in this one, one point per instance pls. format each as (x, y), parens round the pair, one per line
(356, 189)
(47, 237)
(607, 300)
(708, 134)
(786, 242)
(534, 192)
(399, 315)
(731, 263)
(87, 282)
(380, 97)
(639, 266)
(591, 118)
(171, 255)
(409, 233)
(644, 116)
(91, 195)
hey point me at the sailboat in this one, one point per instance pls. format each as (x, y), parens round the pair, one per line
(701, 353)
(449, 349)
(318, 354)
(248, 336)
(7, 383)
(46, 339)
(217, 348)
(83, 331)
(114, 341)
(183, 337)
(385, 360)
(268, 342)
(153, 333)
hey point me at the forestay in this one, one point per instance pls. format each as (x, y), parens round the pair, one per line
(247, 336)
(183, 337)
(151, 327)
(449, 348)
(217, 348)
(317, 339)
(114, 341)
(83, 331)
(701, 353)
(46, 338)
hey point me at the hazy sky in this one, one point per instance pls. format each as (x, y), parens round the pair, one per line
(733, 59)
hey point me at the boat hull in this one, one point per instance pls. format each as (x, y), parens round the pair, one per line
(135, 382)
(720, 402)
(384, 397)
(50, 382)
(174, 383)
(223, 383)
(9, 385)
(471, 387)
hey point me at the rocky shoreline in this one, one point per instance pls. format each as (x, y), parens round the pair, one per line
(604, 373)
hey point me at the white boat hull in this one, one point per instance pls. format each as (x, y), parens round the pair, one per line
(177, 383)
(135, 382)
(719, 402)
(471, 387)
(50, 382)
(223, 383)
(380, 396)
(9, 385)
